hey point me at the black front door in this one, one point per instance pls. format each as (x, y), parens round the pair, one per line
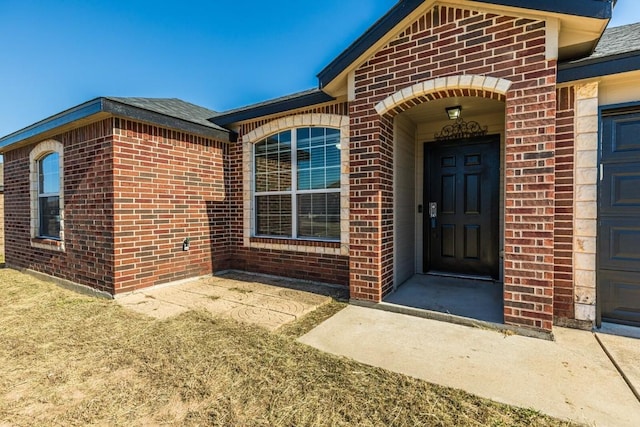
(462, 195)
(619, 219)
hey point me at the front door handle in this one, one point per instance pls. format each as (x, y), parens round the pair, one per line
(433, 214)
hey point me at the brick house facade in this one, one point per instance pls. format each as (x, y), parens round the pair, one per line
(1, 211)
(140, 178)
(133, 192)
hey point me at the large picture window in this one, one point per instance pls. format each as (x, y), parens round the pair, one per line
(297, 184)
(49, 196)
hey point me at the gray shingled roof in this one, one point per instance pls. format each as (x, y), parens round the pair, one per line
(618, 40)
(272, 106)
(268, 102)
(168, 112)
(172, 107)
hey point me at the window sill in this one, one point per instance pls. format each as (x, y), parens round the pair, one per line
(293, 245)
(48, 244)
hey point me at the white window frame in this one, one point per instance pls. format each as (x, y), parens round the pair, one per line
(294, 192)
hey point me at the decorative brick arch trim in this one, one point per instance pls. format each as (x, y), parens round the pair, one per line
(302, 120)
(444, 87)
(46, 147)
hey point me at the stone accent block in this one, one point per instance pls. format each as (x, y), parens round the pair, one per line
(586, 199)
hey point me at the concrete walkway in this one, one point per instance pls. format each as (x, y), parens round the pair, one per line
(266, 301)
(571, 378)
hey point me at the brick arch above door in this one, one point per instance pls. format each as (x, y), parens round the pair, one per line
(452, 86)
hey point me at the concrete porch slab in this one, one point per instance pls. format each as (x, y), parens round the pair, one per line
(570, 378)
(266, 301)
(471, 298)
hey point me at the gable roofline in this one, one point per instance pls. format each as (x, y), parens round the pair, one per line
(307, 98)
(104, 107)
(400, 11)
(600, 9)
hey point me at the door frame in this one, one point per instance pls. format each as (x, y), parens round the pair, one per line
(429, 146)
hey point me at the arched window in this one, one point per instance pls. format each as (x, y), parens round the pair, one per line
(297, 184)
(49, 196)
(46, 163)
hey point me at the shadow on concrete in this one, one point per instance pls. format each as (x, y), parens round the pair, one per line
(471, 298)
(619, 330)
(339, 293)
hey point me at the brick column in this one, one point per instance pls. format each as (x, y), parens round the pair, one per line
(529, 201)
(371, 205)
(563, 292)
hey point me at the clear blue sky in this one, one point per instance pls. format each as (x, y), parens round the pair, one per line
(55, 54)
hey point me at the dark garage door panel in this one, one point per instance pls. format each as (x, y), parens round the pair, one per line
(619, 218)
(621, 140)
(619, 246)
(619, 296)
(620, 189)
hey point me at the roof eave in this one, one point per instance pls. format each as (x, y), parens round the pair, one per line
(400, 11)
(268, 109)
(124, 110)
(66, 117)
(105, 107)
(598, 67)
(599, 9)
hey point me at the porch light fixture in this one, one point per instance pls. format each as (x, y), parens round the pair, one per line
(454, 113)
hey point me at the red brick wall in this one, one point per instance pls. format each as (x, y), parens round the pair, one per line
(88, 194)
(1, 210)
(1, 223)
(563, 292)
(296, 264)
(168, 186)
(324, 268)
(451, 41)
(133, 193)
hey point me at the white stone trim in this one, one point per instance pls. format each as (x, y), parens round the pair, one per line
(585, 223)
(300, 120)
(552, 44)
(39, 151)
(467, 81)
(279, 125)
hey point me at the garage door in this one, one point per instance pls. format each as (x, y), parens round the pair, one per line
(619, 219)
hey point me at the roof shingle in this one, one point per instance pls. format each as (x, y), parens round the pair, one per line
(172, 107)
(618, 40)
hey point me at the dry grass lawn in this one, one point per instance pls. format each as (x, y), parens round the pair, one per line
(67, 359)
